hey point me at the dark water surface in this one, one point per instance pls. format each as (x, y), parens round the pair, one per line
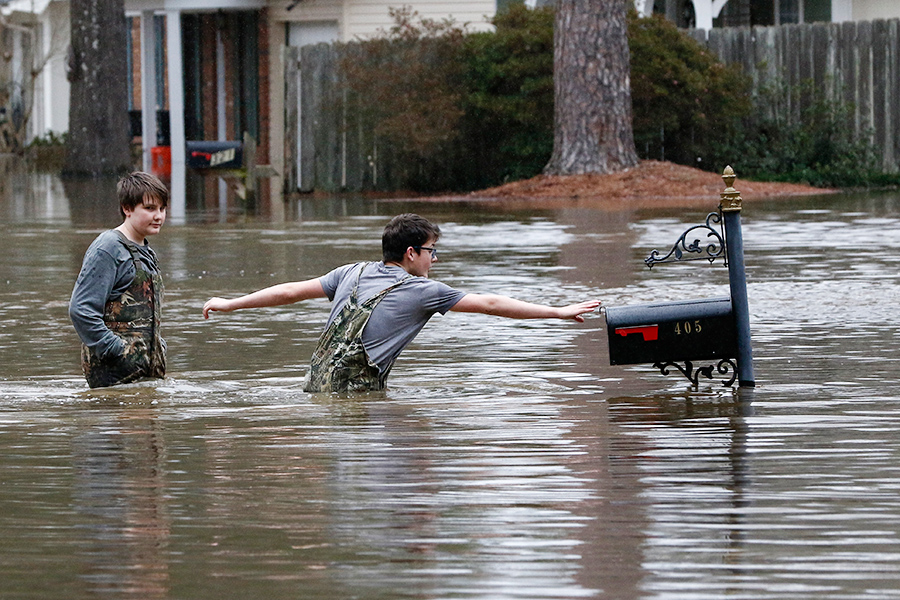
(506, 460)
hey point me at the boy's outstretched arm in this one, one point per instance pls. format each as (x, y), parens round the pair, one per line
(503, 306)
(277, 295)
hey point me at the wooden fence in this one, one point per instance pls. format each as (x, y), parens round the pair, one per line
(855, 62)
(315, 152)
(328, 146)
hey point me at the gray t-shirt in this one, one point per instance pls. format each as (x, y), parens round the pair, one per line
(106, 272)
(400, 315)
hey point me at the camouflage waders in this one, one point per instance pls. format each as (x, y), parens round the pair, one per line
(340, 363)
(134, 317)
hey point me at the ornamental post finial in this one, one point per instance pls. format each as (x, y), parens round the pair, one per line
(731, 198)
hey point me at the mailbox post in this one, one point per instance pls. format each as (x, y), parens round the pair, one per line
(730, 207)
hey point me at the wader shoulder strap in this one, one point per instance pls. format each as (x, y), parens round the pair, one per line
(371, 302)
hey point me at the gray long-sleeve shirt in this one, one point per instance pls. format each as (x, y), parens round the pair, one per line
(106, 272)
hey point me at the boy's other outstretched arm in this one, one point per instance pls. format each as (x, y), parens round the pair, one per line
(503, 306)
(276, 295)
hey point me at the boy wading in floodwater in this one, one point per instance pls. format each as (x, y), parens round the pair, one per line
(115, 306)
(379, 308)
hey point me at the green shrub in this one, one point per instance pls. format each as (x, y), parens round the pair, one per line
(508, 102)
(685, 102)
(50, 139)
(815, 146)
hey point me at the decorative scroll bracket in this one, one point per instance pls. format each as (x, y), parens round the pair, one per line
(683, 251)
(725, 365)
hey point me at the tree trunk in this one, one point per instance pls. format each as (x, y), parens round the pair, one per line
(99, 129)
(591, 72)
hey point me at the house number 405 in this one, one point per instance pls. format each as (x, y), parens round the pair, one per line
(687, 327)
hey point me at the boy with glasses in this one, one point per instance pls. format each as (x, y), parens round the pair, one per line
(379, 308)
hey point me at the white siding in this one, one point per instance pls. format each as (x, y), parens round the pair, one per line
(869, 10)
(303, 33)
(55, 84)
(26, 6)
(841, 10)
(306, 10)
(365, 18)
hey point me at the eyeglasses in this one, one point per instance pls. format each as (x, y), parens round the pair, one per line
(432, 250)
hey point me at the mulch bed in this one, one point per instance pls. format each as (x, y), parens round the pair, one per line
(650, 184)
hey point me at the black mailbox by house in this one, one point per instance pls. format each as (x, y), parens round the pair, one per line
(668, 332)
(215, 155)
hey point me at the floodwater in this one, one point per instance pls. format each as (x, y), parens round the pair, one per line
(507, 459)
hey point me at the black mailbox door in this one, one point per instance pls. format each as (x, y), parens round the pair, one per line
(671, 332)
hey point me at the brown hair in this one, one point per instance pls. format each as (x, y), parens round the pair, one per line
(134, 187)
(404, 231)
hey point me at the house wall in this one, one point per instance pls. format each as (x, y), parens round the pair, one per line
(365, 18)
(869, 10)
(306, 10)
(240, 111)
(264, 148)
(277, 40)
(54, 84)
(40, 51)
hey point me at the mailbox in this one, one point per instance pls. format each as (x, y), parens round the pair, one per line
(215, 155)
(671, 331)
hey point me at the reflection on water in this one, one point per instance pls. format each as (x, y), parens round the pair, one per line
(118, 502)
(507, 459)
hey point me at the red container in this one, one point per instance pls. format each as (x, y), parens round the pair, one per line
(161, 161)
